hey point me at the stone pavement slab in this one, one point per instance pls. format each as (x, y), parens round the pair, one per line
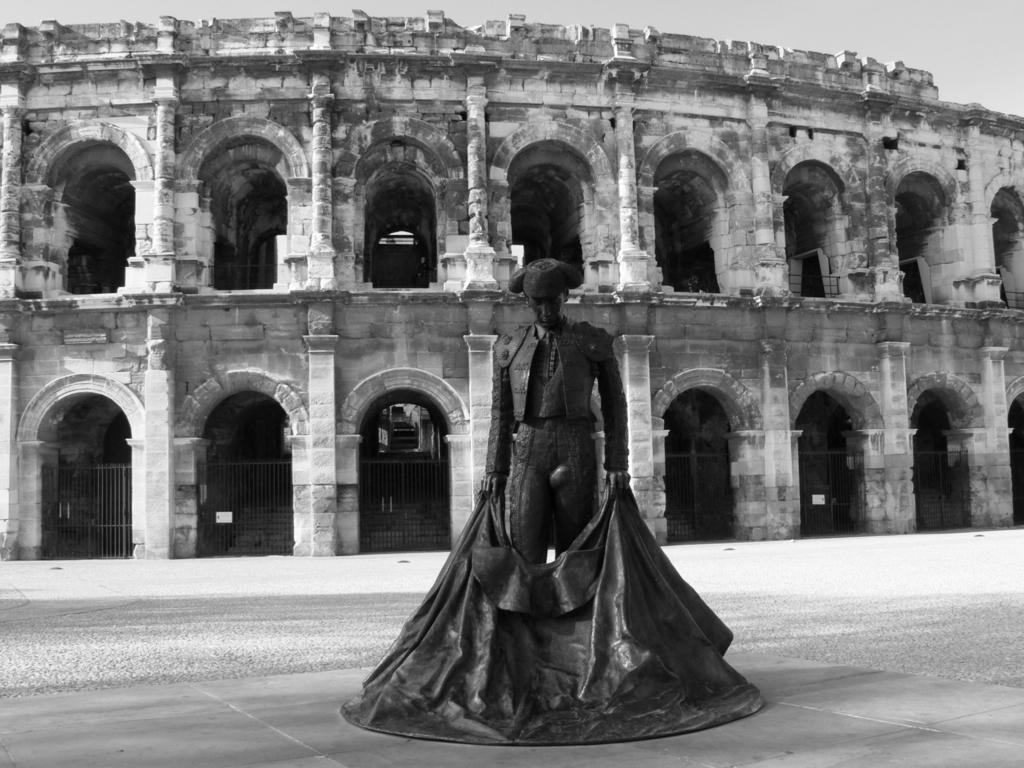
(817, 716)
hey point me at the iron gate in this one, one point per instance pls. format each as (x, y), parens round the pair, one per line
(245, 508)
(942, 489)
(831, 493)
(87, 512)
(698, 496)
(1017, 480)
(403, 504)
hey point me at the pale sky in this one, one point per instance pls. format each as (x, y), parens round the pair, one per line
(972, 47)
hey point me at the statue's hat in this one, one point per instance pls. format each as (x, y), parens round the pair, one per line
(545, 278)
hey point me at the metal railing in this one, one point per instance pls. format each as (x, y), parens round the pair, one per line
(403, 504)
(831, 493)
(814, 286)
(698, 496)
(245, 508)
(87, 512)
(942, 489)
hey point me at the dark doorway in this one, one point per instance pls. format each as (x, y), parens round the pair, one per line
(941, 474)
(831, 481)
(245, 486)
(87, 491)
(1017, 460)
(698, 491)
(403, 476)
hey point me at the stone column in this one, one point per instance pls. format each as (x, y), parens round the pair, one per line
(320, 527)
(320, 267)
(771, 274)
(153, 507)
(984, 507)
(33, 456)
(992, 455)
(636, 268)
(897, 448)
(479, 254)
(884, 275)
(348, 493)
(11, 107)
(781, 480)
(635, 357)
(463, 492)
(189, 457)
(747, 476)
(8, 457)
(163, 190)
(981, 282)
(481, 368)
(866, 449)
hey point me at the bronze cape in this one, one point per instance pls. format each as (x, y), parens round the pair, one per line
(607, 643)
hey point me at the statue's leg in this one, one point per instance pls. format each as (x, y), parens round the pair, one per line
(575, 493)
(530, 501)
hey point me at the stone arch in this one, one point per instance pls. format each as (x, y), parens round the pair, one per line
(838, 163)
(716, 150)
(438, 149)
(362, 396)
(964, 408)
(1002, 180)
(45, 159)
(579, 139)
(910, 164)
(231, 128)
(739, 403)
(197, 406)
(1014, 389)
(45, 399)
(848, 391)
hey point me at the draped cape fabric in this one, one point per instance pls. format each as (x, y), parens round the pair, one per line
(607, 643)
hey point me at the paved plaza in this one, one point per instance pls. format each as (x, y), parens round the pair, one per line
(871, 651)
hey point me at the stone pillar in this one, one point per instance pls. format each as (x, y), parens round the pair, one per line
(993, 502)
(11, 108)
(463, 491)
(481, 371)
(781, 480)
(981, 283)
(153, 507)
(984, 507)
(866, 451)
(635, 357)
(163, 191)
(348, 493)
(479, 254)
(636, 268)
(8, 457)
(897, 448)
(189, 458)
(321, 455)
(33, 456)
(320, 266)
(747, 476)
(884, 276)
(771, 274)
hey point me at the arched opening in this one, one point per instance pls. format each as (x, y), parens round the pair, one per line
(401, 227)
(831, 480)
(547, 202)
(404, 476)
(941, 479)
(245, 484)
(698, 489)
(686, 200)
(1016, 423)
(95, 215)
(812, 192)
(920, 211)
(87, 482)
(249, 209)
(1008, 243)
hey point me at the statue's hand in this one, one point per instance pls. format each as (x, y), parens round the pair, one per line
(494, 484)
(618, 479)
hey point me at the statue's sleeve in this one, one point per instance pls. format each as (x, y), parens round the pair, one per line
(499, 440)
(613, 411)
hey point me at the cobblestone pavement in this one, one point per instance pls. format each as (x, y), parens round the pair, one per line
(946, 605)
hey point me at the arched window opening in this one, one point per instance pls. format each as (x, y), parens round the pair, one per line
(87, 483)
(249, 206)
(1008, 243)
(245, 484)
(404, 497)
(809, 217)
(96, 217)
(401, 228)
(698, 489)
(1016, 423)
(547, 202)
(686, 199)
(920, 209)
(941, 473)
(831, 479)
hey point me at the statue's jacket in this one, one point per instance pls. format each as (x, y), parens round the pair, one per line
(586, 356)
